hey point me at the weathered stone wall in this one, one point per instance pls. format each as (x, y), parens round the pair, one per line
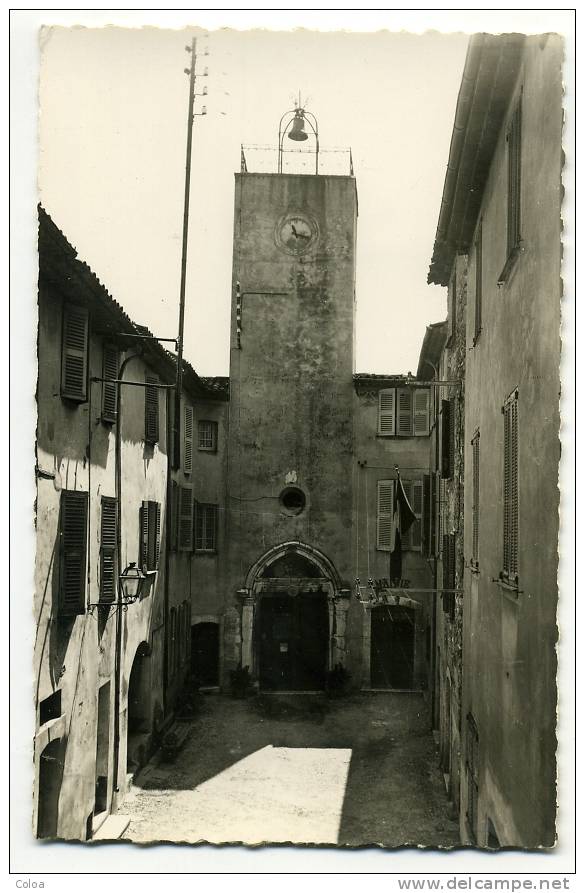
(291, 381)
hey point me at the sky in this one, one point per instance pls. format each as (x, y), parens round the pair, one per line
(113, 114)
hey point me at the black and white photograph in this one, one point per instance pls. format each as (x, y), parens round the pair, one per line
(298, 341)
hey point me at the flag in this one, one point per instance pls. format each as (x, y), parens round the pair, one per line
(402, 520)
(403, 516)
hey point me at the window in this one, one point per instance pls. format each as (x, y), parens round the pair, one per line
(449, 577)
(188, 439)
(510, 412)
(185, 519)
(447, 438)
(151, 432)
(478, 282)
(74, 353)
(385, 515)
(472, 775)
(207, 435)
(149, 535)
(109, 387)
(108, 538)
(205, 527)
(403, 412)
(475, 500)
(513, 221)
(73, 550)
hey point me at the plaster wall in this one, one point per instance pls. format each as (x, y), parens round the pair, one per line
(509, 649)
(76, 451)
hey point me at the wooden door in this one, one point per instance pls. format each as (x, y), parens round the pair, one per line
(392, 643)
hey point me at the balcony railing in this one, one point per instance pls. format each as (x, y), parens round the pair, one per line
(257, 159)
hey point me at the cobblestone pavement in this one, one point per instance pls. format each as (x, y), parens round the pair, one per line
(355, 771)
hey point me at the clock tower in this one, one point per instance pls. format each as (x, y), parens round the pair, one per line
(288, 506)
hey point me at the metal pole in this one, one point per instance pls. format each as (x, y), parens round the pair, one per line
(185, 228)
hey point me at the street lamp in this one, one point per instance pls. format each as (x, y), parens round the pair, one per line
(131, 584)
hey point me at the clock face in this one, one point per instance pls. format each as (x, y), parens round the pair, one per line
(296, 232)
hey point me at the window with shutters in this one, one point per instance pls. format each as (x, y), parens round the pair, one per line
(205, 527)
(513, 217)
(73, 551)
(151, 412)
(207, 435)
(510, 531)
(110, 366)
(478, 252)
(449, 576)
(149, 535)
(472, 775)
(108, 550)
(188, 439)
(447, 438)
(403, 412)
(475, 500)
(430, 514)
(185, 519)
(74, 353)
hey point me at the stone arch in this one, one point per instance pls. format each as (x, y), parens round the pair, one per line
(139, 712)
(315, 556)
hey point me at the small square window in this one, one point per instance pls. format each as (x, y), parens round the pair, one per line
(207, 436)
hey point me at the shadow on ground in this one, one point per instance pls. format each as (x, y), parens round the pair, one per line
(390, 789)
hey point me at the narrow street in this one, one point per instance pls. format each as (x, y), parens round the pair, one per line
(300, 769)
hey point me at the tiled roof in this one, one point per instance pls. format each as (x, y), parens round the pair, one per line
(57, 257)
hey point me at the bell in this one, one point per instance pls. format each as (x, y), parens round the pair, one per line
(298, 129)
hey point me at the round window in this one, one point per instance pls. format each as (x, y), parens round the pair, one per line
(293, 500)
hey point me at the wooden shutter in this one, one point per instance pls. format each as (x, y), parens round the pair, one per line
(475, 500)
(144, 536)
(385, 515)
(449, 573)
(73, 535)
(416, 503)
(109, 387)
(108, 545)
(185, 519)
(434, 518)
(387, 411)
(478, 281)
(511, 489)
(404, 401)
(175, 491)
(420, 415)
(156, 535)
(447, 438)
(426, 516)
(514, 179)
(188, 439)
(74, 353)
(151, 432)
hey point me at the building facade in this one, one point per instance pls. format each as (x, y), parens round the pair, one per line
(111, 653)
(501, 210)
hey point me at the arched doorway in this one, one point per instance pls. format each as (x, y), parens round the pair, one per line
(293, 590)
(139, 708)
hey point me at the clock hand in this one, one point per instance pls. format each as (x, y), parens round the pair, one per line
(294, 232)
